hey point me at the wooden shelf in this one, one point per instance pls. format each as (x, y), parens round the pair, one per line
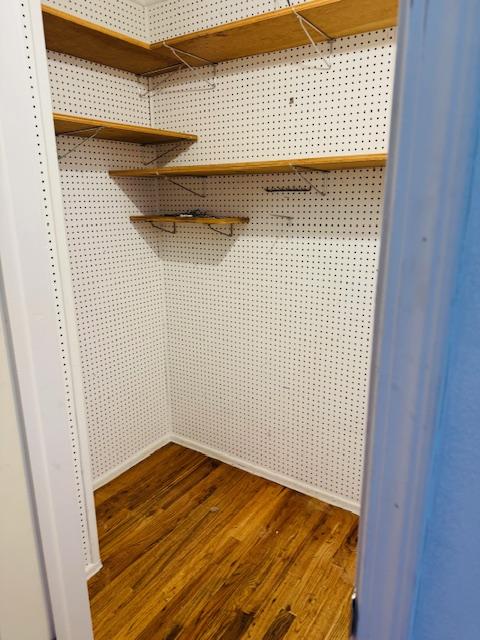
(77, 37)
(179, 220)
(326, 163)
(273, 31)
(280, 29)
(84, 127)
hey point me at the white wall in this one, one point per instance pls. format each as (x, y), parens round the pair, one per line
(22, 580)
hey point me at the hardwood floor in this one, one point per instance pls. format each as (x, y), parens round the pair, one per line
(194, 549)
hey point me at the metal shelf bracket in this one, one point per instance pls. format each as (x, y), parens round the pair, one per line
(182, 186)
(180, 55)
(164, 153)
(305, 23)
(300, 168)
(222, 233)
(96, 131)
(172, 231)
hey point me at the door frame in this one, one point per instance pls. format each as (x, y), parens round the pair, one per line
(428, 173)
(435, 130)
(36, 302)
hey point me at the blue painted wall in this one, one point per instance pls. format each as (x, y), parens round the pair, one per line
(448, 601)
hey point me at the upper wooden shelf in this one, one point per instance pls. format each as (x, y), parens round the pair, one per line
(77, 37)
(326, 163)
(84, 127)
(281, 29)
(263, 33)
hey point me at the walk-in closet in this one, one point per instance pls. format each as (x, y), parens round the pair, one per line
(222, 176)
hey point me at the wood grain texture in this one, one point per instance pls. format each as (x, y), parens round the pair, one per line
(263, 33)
(280, 29)
(82, 127)
(326, 163)
(69, 34)
(194, 549)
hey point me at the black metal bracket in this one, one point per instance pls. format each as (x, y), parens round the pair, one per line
(164, 153)
(222, 233)
(173, 231)
(182, 186)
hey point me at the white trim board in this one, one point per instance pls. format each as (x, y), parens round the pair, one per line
(131, 462)
(92, 569)
(290, 483)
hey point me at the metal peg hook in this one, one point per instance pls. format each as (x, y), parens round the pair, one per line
(288, 189)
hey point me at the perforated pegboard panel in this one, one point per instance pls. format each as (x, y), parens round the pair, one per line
(282, 105)
(118, 282)
(170, 18)
(125, 16)
(117, 278)
(269, 333)
(94, 91)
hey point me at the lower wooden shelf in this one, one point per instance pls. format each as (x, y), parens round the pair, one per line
(324, 163)
(196, 220)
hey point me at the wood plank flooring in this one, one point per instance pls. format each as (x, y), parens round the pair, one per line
(194, 549)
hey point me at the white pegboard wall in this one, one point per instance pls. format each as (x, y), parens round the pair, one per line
(118, 283)
(269, 332)
(118, 280)
(124, 16)
(280, 316)
(271, 363)
(92, 90)
(283, 105)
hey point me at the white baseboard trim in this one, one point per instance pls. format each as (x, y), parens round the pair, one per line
(296, 485)
(92, 569)
(131, 462)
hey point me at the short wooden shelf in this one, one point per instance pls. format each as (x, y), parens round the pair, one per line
(84, 127)
(325, 163)
(198, 220)
(267, 32)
